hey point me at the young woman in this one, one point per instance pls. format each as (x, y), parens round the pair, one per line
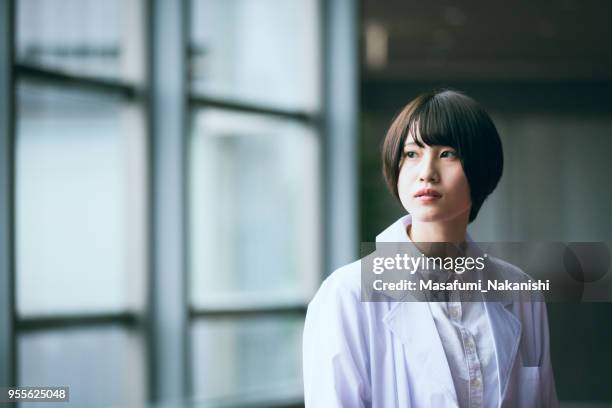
(442, 157)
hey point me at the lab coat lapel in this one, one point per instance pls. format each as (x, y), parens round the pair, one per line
(505, 326)
(413, 324)
(506, 329)
(395, 232)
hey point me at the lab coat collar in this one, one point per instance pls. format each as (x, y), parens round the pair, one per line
(412, 322)
(396, 233)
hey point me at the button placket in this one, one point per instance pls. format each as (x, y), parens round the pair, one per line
(474, 369)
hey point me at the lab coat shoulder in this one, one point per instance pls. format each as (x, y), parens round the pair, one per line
(505, 270)
(502, 270)
(335, 342)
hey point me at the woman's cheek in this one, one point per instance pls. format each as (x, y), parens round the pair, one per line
(403, 189)
(462, 190)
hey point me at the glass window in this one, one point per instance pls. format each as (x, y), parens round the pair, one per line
(84, 37)
(102, 366)
(79, 203)
(257, 51)
(254, 206)
(254, 193)
(80, 199)
(255, 356)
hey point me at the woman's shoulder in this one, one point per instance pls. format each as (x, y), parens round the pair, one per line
(505, 270)
(344, 281)
(336, 308)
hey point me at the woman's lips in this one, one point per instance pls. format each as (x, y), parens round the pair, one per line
(427, 195)
(428, 198)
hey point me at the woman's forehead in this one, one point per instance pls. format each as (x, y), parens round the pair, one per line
(411, 142)
(414, 137)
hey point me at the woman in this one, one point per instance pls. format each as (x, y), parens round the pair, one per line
(442, 157)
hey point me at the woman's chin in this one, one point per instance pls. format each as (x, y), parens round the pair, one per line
(432, 214)
(426, 215)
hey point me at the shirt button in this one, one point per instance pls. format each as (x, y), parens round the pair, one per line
(475, 382)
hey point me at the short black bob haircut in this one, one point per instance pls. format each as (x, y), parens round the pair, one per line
(448, 118)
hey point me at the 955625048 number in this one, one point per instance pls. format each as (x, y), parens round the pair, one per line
(32, 394)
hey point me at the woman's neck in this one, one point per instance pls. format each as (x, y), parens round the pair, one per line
(449, 231)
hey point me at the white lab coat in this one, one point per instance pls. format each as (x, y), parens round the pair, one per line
(389, 354)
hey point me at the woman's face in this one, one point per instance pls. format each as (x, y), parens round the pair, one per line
(432, 185)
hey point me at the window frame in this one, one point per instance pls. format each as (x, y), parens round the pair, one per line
(8, 371)
(167, 318)
(127, 92)
(316, 120)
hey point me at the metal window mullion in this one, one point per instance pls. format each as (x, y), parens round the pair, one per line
(168, 313)
(99, 85)
(202, 102)
(295, 310)
(340, 104)
(31, 323)
(8, 367)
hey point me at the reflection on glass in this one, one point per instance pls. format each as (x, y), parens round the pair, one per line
(258, 51)
(85, 37)
(77, 204)
(254, 206)
(247, 357)
(102, 366)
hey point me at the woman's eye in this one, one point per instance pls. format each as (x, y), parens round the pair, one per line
(448, 153)
(410, 154)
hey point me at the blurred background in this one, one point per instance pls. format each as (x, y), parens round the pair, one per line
(179, 176)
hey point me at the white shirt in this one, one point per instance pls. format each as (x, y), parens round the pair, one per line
(467, 340)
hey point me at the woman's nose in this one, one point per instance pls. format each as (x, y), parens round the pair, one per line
(428, 172)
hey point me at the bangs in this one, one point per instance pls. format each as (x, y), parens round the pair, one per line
(439, 126)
